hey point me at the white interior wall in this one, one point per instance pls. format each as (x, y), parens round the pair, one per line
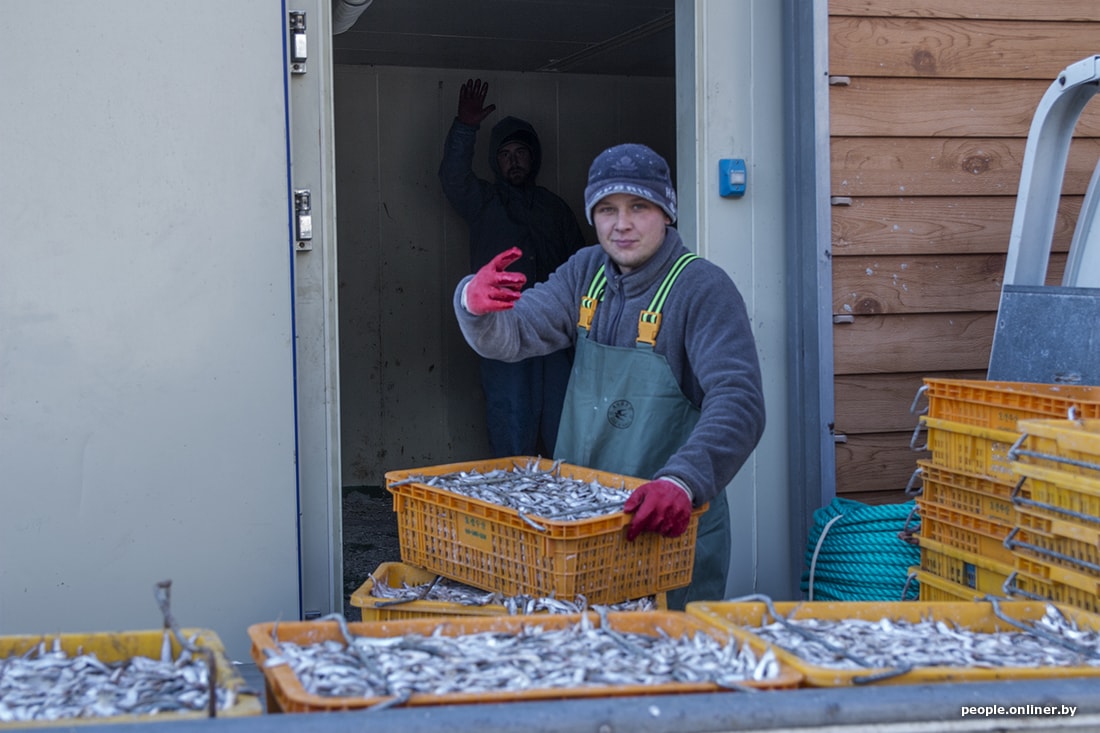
(410, 394)
(730, 102)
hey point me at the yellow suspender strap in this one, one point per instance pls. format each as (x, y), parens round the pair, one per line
(589, 301)
(649, 321)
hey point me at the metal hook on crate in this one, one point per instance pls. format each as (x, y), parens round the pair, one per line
(163, 593)
(913, 407)
(909, 487)
(1014, 451)
(906, 534)
(913, 440)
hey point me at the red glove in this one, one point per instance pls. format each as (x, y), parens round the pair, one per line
(493, 289)
(471, 102)
(658, 506)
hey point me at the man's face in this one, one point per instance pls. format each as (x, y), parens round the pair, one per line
(630, 229)
(514, 161)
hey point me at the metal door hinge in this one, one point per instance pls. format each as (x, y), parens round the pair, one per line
(298, 50)
(303, 220)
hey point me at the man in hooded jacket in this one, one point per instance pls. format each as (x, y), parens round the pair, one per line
(523, 400)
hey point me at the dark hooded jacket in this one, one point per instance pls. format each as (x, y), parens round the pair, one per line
(501, 215)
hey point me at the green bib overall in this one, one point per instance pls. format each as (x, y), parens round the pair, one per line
(624, 413)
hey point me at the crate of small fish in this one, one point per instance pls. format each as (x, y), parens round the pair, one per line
(122, 677)
(396, 591)
(855, 642)
(1000, 405)
(531, 526)
(330, 665)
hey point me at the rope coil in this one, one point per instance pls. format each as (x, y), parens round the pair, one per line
(854, 553)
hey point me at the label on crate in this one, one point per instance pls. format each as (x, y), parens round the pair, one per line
(476, 532)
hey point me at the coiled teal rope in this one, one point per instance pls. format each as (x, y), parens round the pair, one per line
(854, 553)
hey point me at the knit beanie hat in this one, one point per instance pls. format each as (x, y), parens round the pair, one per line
(633, 169)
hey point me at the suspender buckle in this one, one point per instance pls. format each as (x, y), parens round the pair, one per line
(588, 310)
(649, 323)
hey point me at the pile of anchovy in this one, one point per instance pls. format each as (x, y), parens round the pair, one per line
(48, 684)
(451, 591)
(531, 658)
(531, 491)
(1052, 641)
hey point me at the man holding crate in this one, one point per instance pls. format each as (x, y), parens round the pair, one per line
(666, 380)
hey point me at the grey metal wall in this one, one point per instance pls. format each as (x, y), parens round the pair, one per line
(410, 394)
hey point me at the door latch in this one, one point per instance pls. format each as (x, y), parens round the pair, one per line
(303, 221)
(298, 51)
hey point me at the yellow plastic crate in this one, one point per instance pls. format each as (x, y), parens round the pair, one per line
(1000, 405)
(394, 574)
(291, 697)
(967, 492)
(964, 568)
(1034, 538)
(1028, 585)
(1060, 536)
(1060, 494)
(966, 532)
(936, 589)
(124, 645)
(741, 618)
(1046, 441)
(970, 449)
(491, 547)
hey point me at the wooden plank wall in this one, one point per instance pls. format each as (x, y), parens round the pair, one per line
(930, 106)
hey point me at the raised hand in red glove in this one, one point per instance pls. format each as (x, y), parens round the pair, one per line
(493, 289)
(658, 506)
(471, 102)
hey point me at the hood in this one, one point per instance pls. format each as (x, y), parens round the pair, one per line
(514, 126)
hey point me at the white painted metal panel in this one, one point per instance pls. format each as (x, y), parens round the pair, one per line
(147, 427)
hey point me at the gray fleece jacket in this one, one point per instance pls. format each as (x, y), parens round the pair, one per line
(705, 337)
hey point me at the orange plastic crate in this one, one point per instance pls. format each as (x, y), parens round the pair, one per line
(970, 449)
(291, 697)
(967, 492)
(966, 532)
(394, 574)
(1000, 405)
(964, 568)
(489, 546)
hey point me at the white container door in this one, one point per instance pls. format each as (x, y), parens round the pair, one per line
(147, 415)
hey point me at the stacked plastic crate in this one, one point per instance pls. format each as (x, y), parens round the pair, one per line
(965, 502)
(1056, 544)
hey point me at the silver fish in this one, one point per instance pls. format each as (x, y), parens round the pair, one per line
(451, 591)
(47, 684)
(579, 655)
(534, 493)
